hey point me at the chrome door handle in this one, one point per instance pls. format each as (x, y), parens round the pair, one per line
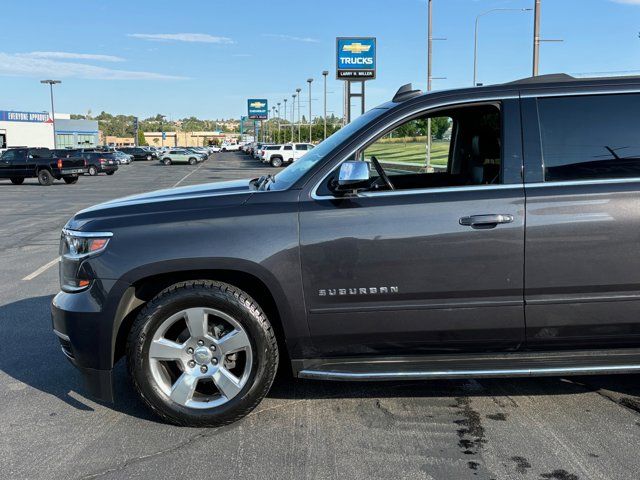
(486, 221)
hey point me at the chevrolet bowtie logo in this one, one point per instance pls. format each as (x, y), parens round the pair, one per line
(356, 47)
(257, 104)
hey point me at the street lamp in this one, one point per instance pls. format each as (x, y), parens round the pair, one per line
(293, 108)
(285, 113)
(298, 90)
(51, 83)
(278, 122)
(309, 80)
(475, 36)
(324, 74)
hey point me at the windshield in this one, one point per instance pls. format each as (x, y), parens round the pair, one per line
(297, 169)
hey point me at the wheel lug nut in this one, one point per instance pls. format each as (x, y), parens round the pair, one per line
(190, 351)
(203, 369)
(214, 361)
(192, 363)
(213, 348)
(200, 342)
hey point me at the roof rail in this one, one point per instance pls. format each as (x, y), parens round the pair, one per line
(550, 78)
(405, 92)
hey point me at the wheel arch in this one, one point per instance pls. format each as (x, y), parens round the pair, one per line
(258, 284)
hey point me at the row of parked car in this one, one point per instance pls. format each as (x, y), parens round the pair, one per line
(276, 155)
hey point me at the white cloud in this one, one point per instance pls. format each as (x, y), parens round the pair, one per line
(291, 38)
(73, 56)
(628, 2)
(182, 37)
(18, 65)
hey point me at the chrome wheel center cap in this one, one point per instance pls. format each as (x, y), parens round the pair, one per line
(202, 355)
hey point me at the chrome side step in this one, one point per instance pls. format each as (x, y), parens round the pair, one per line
(471, 366)
(452, 374)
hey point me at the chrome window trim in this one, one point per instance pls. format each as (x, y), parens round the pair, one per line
(435, 106)
(578, 92)
(569, 183)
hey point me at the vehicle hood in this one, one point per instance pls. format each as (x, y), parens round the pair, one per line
(167, 201)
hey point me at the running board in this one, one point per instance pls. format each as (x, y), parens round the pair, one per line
(592, 362)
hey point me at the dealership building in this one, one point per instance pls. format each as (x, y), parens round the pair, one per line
(25, 129)
(76, 133)
(35, 129)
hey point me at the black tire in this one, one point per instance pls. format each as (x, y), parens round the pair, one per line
(192, 161)
(70, 180)
(224, 149)
(167, 161)
(221, 296)
(276, 162)
(45, 178)
(17, 180)
(111, 172)
(93, 171)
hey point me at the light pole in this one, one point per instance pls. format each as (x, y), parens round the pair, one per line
(324, 75)
(309, 81)
(293, 108)
(536, 38)
(285, 114)
(278, 122)
(475, 35)
(51, 83)
(298, 90)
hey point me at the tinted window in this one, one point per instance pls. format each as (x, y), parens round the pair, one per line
(288, 147)
(590, 137)
(301, 146)
(9, 155)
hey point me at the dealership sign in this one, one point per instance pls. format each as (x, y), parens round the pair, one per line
(258, 109)
(33, 117)
(355, 58)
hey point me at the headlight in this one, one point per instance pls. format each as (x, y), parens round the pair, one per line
(75, 247)
(80, 244)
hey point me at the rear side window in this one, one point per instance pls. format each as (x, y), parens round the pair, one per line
(590, 137)
(288, 147)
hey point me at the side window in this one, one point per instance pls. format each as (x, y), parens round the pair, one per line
(288, 147)
(301, 146)
(465, 149)
(9, 155)
(590, 137)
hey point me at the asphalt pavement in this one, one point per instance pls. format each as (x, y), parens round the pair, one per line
(546, 428)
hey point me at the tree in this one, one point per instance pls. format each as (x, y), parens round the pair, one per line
(141, 140)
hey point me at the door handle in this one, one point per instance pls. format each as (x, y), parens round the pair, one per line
(486, 221)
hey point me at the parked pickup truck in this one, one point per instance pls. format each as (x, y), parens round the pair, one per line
(277, 155)
(520, 256)
(16, 164)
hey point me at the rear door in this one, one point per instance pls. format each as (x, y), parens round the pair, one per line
(582, 272)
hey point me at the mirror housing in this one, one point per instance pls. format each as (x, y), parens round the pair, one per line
(352, 176)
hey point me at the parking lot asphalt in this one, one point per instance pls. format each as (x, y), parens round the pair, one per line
(546, 428)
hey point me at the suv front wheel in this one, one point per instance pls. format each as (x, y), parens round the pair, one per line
(202, 354)
(276, 162)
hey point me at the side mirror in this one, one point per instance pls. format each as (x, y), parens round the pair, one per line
(352, 176)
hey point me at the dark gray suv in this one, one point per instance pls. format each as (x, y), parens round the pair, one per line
(504, 244)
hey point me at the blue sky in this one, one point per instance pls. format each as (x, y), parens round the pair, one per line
(205, 57)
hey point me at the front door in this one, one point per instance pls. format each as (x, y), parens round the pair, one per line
(422, 268)
(583, 222)
(12, 163)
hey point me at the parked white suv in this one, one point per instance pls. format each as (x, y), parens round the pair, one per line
(230, 147)
(287, 153)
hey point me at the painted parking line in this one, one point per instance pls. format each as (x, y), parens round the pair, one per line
(42, 269)
(187, 175)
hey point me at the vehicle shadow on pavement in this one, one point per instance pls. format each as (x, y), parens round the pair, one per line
(31, 355)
